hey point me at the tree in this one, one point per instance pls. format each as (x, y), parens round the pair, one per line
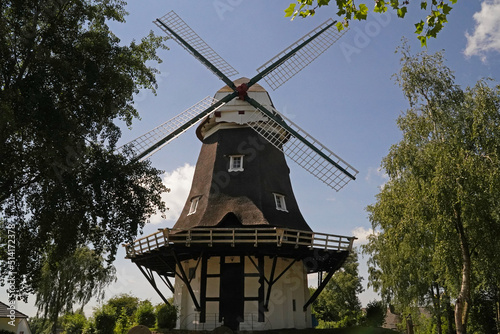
(437, 12)
(166, 316)
(124, 302)
(74, 323)
(375, 314)
(338, 304)
(438, 215)
(123, 322)
(75, 280)
(64, 80)
(145, 314)
(105, 320)
(39, 325)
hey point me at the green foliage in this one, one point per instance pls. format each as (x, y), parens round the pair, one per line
(145, 314)
(89, 327)
(437, 217)
(484, 317)
(338, 304)
(166, 316)
(74, 280)
(105, 320)
(123, 302)
(436, 13)
(375, 314)
(65, 79)
(39, 325)
(123, 323)
(74, 323)
(4, 331)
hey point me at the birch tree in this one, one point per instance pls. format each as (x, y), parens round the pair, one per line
(438, 215)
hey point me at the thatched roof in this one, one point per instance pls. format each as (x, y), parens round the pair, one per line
(240, 199)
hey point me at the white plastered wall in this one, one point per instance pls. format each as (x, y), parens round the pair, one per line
(288, 295)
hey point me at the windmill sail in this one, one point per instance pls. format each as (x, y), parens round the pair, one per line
(152, 141)
(300, 54)
(176, 28)
(302, 148)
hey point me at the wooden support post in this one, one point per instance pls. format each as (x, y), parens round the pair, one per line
(151, 281)
(203, 289)
(185, 279)
(270, 284)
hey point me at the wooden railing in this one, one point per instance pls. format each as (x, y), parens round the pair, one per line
(233, 236)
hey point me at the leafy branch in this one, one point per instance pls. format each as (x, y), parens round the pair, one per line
(434, 21)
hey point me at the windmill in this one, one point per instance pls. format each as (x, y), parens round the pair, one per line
(241, 250)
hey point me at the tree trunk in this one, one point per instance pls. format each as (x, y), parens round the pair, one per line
(450, 315)
(463, 300)
(436, 301)
(497, 309)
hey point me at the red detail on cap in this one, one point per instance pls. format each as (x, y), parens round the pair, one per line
(242, 91)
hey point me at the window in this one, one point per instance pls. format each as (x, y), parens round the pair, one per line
(235, 163)
(192, 273)
(194, 205)
(280, 202)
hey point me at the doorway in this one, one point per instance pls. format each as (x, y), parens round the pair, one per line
(232, 291)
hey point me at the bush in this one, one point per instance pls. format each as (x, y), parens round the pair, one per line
(4, 331)
(145, 314)
(123, 323)
(375, 314)
(74, 323)
(89, 327)
(166, 316)
(39, 325)
(105, 320)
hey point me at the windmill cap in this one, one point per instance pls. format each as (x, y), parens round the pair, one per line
(233, 107)
(255, 87)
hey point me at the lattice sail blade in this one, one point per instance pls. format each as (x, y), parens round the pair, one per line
(177, 29)
(296, 144)
(298, 60)
(152, 141)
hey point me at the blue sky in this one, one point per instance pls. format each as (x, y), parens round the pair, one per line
(346, 98)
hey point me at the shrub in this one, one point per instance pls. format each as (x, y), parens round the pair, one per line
(74, 323)
(4, 331)
(166, 316)
(145, 314)
(105, 320)
(375, 314)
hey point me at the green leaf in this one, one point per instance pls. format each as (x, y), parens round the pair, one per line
(340, 26)
(423, 41)
(446, 9)
(420, 27)
(380, 7)
(323, 2)
(361, 13)
(402, 12)
(290, 10)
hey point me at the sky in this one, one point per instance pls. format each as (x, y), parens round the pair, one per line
(347, 99)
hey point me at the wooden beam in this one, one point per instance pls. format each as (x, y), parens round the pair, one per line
(151, 281)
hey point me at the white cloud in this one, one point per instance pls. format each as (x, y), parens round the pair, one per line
(486, 35)
(377, 175)
(362, 234)
(179, 182)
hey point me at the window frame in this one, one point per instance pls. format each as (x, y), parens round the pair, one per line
(232, 159)
(280, 202)
(194, 205)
